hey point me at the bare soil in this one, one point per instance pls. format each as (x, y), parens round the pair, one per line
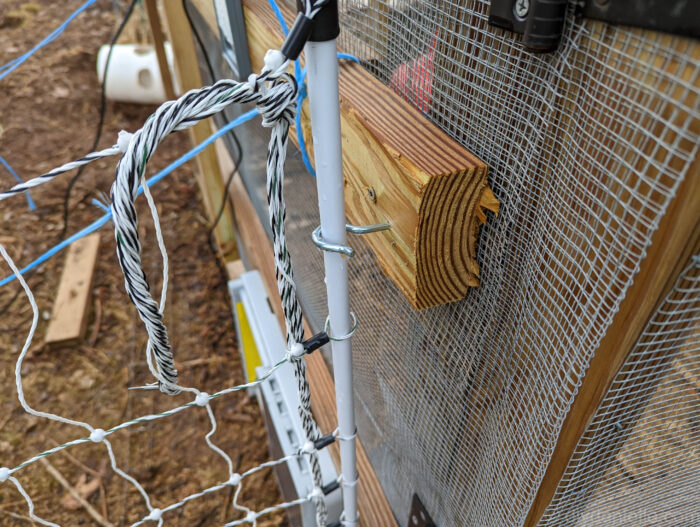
(48, 116)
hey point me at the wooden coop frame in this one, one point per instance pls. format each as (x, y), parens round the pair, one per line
(673, 243)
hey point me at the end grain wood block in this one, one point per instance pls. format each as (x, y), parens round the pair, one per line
(401, 168)
(70, 309)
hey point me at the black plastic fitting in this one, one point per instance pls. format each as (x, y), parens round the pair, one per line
(315, 342)
(297, 37)
(326, 24)
(324, 441)
(330, 487)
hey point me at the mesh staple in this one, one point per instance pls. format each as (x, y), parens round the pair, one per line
(462, 404)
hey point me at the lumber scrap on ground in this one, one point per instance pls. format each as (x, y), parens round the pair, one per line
(70, 309)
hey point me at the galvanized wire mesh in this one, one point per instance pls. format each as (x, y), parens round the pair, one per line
(638, 462)
(463, 403)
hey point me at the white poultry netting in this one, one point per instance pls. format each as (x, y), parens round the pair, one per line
(462, 404)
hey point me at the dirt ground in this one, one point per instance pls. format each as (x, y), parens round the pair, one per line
(48, 116)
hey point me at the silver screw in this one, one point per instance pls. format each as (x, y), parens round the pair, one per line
(372, 195)
(521, 8)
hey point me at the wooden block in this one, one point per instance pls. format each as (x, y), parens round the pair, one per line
(235, 269)
(400, 168)
(70, 309)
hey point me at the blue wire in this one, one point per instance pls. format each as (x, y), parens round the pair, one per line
(280, 17)
(8, 68)
(300, 75)
(301, 95)
(347, 56)
(30, 201)
(155, 179)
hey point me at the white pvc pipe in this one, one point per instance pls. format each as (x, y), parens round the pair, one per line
(322, 67)
(134, 73)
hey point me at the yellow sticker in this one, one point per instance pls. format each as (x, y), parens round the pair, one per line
(250, 350)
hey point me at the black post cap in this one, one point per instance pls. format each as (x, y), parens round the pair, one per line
(326, 25)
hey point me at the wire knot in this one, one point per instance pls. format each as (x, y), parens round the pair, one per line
(169, 388)
(278, 101)
(202, 399)
(123, 140)
(97, 435)
(296, 351)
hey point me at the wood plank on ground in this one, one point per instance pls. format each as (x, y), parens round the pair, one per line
(70, 309)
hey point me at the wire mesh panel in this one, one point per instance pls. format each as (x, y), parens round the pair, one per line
(463, 403)
(638, 461)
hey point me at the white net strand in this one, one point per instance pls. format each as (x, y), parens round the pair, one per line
(201, 399)
(155, 514)
(154, 417)
(234, 481)
(96, 435)
(30, 503)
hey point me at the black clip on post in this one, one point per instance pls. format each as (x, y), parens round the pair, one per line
(324, 26)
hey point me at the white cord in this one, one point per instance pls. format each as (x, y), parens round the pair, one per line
(119, 148)
(97, 434)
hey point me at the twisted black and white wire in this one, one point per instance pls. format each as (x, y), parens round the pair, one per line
(275, 95)
(119, 148)
(175, 115)
(285, 282)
